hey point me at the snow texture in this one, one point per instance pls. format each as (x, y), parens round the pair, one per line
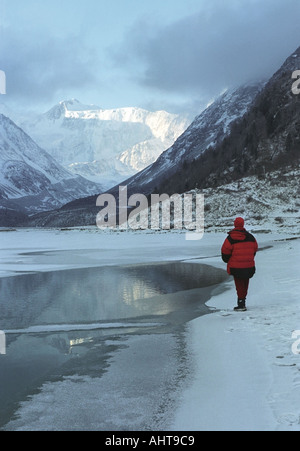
(104, 146)
(30, 179)
(243, 374)
(208, 129)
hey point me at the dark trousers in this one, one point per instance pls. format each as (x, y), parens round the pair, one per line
(242, 286)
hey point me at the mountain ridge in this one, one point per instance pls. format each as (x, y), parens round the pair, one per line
(30, 179)
(258, 143)
(84, 211)
(207, 129)
(265, 138)
(106, 146)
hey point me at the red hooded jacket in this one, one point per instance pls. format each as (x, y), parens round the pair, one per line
(239, 250)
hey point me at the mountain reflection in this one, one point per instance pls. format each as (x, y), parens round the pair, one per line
(100, 294)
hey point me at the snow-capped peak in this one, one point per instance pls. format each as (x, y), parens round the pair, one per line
(104, 145)
(27, 171)
(63, 108)
(76, 105)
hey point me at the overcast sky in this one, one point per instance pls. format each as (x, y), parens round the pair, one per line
(156, 54)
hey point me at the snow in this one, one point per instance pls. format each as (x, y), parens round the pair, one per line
(247, 375)
(105, 146)
(268, 204)
(204, 131)
(243, 373)
(24, 249)
(27, 170)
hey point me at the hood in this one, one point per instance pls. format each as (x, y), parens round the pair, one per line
(238, 234)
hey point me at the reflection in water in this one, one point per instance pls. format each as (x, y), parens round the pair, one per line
(140, 300)
(100, 294)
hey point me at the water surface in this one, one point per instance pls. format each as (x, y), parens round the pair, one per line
(71, 323)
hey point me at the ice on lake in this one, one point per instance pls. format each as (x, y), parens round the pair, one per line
(113, 333)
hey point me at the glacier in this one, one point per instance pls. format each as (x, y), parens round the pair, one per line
(104, 146)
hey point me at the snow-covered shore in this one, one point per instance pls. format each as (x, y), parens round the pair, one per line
(245, 375)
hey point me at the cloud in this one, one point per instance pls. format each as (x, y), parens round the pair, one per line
(38, 67)
(225, 44)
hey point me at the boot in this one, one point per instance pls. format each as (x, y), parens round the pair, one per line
(241, 307)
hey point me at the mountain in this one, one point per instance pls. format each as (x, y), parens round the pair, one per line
(265, 139)
(30, 179)
(206, 131)
(208, 128)
(105, 146)
(234, 149)
(254, 170)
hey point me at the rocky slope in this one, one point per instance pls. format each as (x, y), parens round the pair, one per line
(30, 179)
(266, 139)
(206, 131)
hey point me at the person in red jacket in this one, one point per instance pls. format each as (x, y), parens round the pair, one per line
(238, 251)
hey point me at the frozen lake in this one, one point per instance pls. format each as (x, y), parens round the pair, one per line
(105, 344)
